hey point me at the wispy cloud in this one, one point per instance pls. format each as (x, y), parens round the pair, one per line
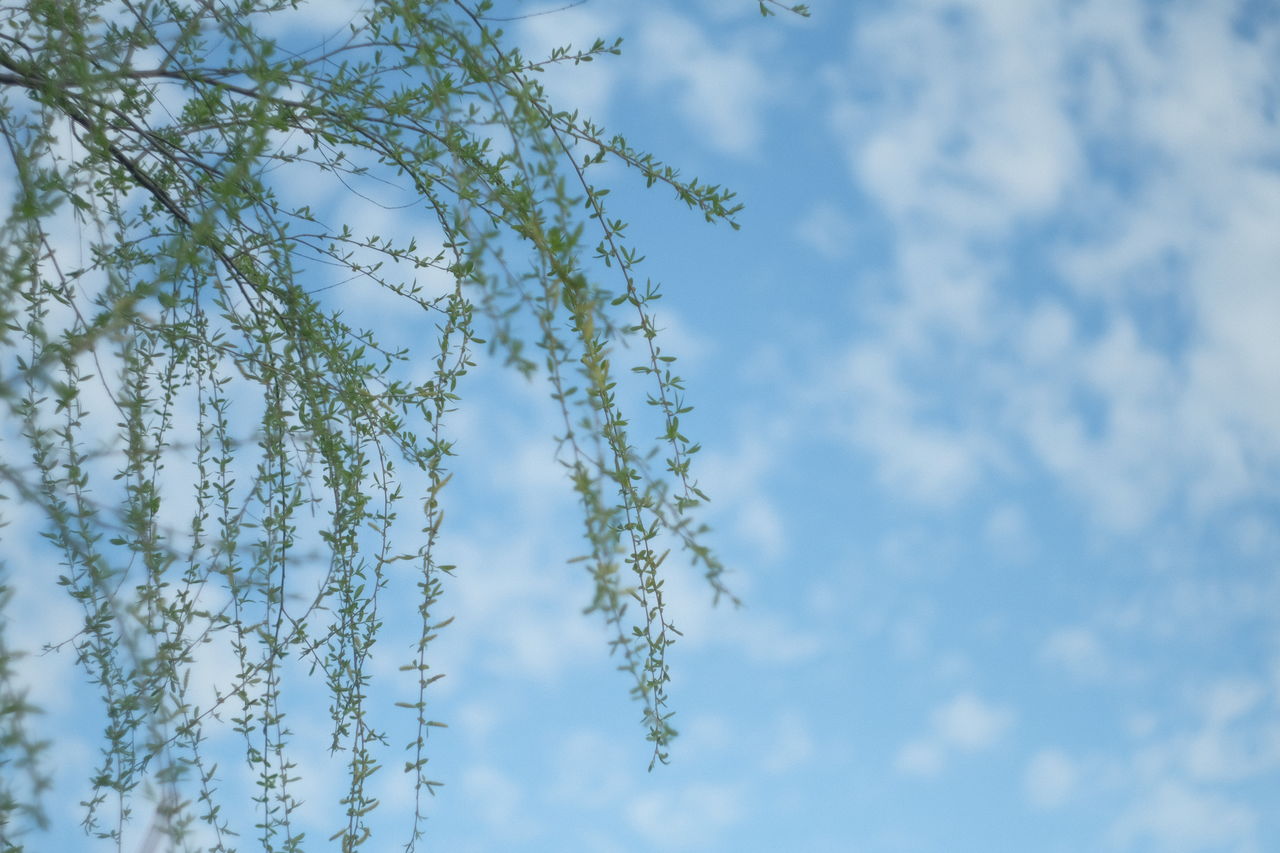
(965, 723)
(589, 88)
(719, 88)
(1051, 779)
(1078, 210)
(690, 818)
(1182, 819)
(1078, 651)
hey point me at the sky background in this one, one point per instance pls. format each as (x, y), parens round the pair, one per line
(989, 386)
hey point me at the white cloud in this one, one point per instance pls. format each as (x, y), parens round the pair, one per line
(768, 638)
(590, 771)
(970, 723)
(965, 723)
(1008, 533)
(1229, 700)
(476, 721)
(587, 87)
(791, 745)
(827, 229)
(319, 18)
(926, 461)
(1149, 385)
(720, 90)
(1050, 779)
(1187, 782)
(755, 632)
(688, 818)
(518, 612)
(1232, 742)
(36, 615)
(974, 134)
(741, 499)
(1141, 724)
(1179, 819)
(1077, 650)
(919, 758)
(499, 801)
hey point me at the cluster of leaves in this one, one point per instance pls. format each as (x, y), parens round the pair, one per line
(183, 354)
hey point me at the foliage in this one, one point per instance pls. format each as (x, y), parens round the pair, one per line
(188, 409)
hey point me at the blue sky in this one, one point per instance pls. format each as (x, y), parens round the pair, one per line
(989, 386)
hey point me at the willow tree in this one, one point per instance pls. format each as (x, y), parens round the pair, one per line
(188, 412)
